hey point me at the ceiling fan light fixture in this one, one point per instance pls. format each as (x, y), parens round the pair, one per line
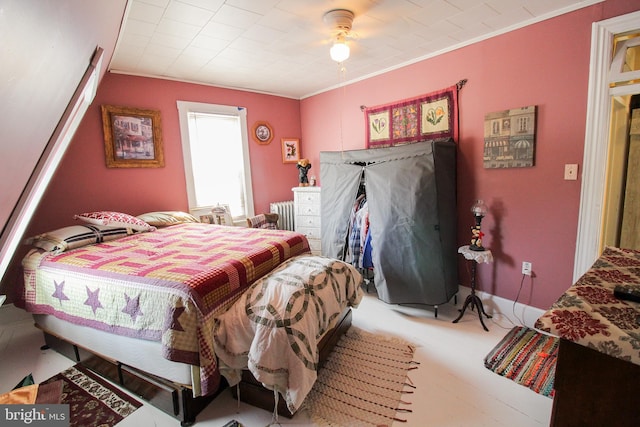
(340, 21)
(339, 52)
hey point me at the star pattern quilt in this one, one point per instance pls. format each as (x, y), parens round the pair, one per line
(167, 285)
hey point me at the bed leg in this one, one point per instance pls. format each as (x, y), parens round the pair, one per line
(188, 418)
(120, 376)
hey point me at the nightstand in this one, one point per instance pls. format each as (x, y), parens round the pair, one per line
(472, 300)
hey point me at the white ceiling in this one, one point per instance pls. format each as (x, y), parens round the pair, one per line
(282, 46)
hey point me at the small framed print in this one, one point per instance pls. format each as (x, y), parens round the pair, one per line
(262, 133)
(132, 137)
(290, 150)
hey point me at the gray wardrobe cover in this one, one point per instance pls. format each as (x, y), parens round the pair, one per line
(411, 195)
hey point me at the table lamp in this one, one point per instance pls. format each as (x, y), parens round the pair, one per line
(479, 210)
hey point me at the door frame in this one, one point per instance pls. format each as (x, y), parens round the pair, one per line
(592, 196)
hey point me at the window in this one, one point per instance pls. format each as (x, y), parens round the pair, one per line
(216, 158)
(625, 65)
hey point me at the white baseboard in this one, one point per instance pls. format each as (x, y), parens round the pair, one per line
(502, 309)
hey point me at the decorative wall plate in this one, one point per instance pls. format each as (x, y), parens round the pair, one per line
(262, 133)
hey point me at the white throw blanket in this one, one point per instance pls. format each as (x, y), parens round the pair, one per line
(274, 328)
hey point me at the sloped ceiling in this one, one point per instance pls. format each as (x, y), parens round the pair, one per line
(45, 50)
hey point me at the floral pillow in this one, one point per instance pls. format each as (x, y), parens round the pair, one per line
(115, 219)
(76, 236)
(167, 218)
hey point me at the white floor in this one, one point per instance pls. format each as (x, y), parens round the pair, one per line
(453, 386)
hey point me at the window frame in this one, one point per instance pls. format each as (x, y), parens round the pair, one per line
(186, 107)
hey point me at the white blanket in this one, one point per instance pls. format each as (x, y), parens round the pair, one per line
(274, 328)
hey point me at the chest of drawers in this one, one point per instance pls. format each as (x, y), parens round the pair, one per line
(306, 202)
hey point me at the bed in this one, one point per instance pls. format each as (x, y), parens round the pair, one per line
(141, 308)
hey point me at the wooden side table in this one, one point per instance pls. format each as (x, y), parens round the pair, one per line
(474, 300)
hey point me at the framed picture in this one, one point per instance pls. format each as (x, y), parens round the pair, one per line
(262, 133)
(290, 150)
(510, 138)
(132, 137)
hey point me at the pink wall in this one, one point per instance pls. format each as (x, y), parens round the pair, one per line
(533, 211)
(84, 183)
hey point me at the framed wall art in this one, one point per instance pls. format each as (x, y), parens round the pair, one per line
(262, 133)
(290, 150)
(132, 137)
(510, 138)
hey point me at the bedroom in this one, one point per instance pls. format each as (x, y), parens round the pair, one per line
(547, 73)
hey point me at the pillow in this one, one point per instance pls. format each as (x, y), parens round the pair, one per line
(263, 221)
(167, 218)
(75, 236)
(115, 219)
(21, 396)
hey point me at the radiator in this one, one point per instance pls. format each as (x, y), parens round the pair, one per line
(286, 212)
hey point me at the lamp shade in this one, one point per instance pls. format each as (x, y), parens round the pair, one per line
(479, 208)
(339, 51)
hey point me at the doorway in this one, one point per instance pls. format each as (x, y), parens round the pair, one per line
(593, 197)
(622, 204)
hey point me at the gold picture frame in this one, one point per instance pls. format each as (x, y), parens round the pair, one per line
(132, 137)
(290, 150)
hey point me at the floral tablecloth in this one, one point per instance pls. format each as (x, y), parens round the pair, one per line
(589, 314)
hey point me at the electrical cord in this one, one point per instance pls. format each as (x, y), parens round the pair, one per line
(516, 301)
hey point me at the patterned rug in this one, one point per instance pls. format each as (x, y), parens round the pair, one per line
(92, 400)
(526, 357)
(362, 382)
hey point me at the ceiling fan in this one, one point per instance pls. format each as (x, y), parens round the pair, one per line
(341, 21)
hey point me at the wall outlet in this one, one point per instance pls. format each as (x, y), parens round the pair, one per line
(526, 268)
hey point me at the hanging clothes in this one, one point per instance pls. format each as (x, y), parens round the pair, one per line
(367, 261)
(411, 193)
(358, 226)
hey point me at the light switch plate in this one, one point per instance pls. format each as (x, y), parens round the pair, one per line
(571, 172)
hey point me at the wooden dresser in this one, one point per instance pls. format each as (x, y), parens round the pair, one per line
(307, 215)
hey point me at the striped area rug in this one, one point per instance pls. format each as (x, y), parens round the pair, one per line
(526, 357)
(363, 382)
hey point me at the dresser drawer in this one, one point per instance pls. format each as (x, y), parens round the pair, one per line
(306, 209)
(307, 221)
(309, 232)
(308, 198)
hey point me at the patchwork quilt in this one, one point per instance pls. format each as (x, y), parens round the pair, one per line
(167, 285)
(276, 325)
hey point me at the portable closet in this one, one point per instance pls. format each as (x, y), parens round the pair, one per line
(411, 196)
